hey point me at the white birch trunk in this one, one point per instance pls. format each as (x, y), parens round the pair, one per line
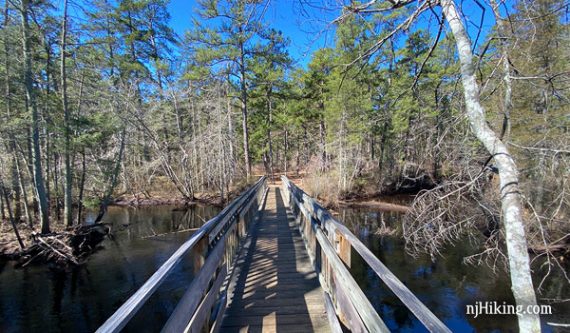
(511, 205)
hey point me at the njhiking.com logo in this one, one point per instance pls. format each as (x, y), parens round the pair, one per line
(497, 308)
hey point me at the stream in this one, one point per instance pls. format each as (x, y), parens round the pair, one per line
(40, 299)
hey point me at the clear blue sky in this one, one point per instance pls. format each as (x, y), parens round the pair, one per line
(307, 27)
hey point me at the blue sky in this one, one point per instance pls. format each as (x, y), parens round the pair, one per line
(285, 15)
(307, 27)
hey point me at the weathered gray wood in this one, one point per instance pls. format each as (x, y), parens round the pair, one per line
(122, 316)
(204, 310)
(310, 206)
(331, 314)
(219, 316)
(365, 310)
(276, 288)
(230, 210)
(344, 249)
(189, 302)
(432, 323)
(354, 294)
(347, 312)
(283, 327)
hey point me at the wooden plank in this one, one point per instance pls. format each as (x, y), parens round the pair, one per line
(344, 249)
(283, 319)
(219, 316)
(204, 310)
(366, 311)
(199, 254)
(331, 315)
(347, 311)
(235, 268)
(273, 294)
(256, 311)
(290, 305)
(276, 284)
(293, 328)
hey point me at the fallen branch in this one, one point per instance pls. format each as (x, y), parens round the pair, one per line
(168, 233)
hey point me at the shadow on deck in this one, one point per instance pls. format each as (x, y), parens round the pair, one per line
(276, 288)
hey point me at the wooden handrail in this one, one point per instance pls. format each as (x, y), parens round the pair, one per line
(212, 231)
(338, 234)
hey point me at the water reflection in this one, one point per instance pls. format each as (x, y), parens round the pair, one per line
(38, 299)
(445, 285)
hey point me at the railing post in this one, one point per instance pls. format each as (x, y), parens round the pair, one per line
(344, 249)
(335, 243)
(199, 253)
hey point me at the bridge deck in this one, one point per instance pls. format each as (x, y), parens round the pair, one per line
(276, 287)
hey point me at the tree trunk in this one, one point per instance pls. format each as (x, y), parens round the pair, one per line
(286, 153)
(31, 104)
(322, 141)
(440, 108)
(81, 188)
(2, 210)
(22, 187)
(67, 201)
(10, 215)
(511, 205)
(243, 87)
(114, 178)
(7, 95)
(56, 194)
(269, 135)
(507, 101)
(230, 124)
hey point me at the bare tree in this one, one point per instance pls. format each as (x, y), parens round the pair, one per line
(511, 207)
(511, 204)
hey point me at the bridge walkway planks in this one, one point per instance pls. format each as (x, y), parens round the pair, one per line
(276, 288)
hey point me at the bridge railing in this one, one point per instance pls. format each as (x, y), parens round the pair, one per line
(330, 245)
(215, 244)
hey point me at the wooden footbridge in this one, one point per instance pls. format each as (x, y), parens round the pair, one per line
(273, 261)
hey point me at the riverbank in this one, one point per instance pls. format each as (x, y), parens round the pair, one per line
(376, 204)
(160, 197)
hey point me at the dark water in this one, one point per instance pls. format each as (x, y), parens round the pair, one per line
(446, 286)
(39, 299)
